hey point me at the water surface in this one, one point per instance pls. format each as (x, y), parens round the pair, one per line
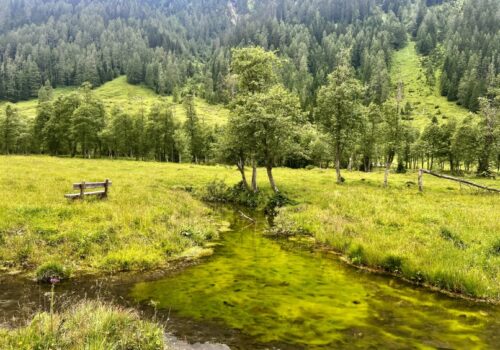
(256, 292)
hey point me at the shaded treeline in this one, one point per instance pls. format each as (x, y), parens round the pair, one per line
(267, 127)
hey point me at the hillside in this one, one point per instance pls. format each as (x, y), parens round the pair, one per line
(426, 101)
(130, 97)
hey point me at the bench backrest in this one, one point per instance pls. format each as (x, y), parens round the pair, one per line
(85, 185)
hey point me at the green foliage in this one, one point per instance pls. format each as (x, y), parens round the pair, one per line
(255, 69)
(217, 191)
(399, 222)
(50, 270)
(87, 325)
(356, 255)
(450, 236)
(495, 249)
(276, 201)
(339, 111)
(393, 263)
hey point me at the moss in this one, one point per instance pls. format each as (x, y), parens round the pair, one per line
(276, 290)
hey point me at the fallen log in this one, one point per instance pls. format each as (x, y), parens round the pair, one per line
(421, 173)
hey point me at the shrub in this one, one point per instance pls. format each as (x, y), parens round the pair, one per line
(216, 191)
(50, 270)
(357, 255)
(495, 249)
(276, 201)
(393, 263)
(310, 167)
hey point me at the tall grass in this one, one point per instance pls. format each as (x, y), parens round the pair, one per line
(88, 325)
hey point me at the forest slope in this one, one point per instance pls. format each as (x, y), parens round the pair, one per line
(425, 100)
(131, 98)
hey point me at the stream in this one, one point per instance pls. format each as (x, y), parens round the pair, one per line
(260, 293)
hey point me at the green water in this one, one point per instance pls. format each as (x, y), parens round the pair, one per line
(279, 293)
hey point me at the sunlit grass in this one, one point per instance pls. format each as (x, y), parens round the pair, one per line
(132, 99)
(426, 101)
(142, 225)
(448, 236)
(445, 236)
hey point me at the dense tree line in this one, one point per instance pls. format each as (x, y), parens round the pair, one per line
(267, 127)
(171, 45)
(310, 88)
(76, 124)
(465, 43)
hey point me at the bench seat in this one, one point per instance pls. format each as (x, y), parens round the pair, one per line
(77, 195)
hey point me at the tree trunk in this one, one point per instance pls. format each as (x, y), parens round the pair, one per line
(271, 179)
(241, 168)
(349, 167)
(255, 188)
(422, 171)
(386, 173)
(337, 169)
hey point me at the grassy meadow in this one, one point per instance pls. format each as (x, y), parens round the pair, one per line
(426, 101)
(144, 223)
(448, 236)
(131, 98)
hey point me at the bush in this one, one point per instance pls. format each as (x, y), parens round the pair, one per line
(275, 202)
(50, 270)
(495, 249)
(216, 191)
(310, 167)
(393, 263)
(89, 325)
(357, 255)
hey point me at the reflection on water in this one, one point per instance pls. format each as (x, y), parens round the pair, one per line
(276, 293)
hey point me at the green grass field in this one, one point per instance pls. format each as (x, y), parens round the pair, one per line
(131, 98)
(144, 224)
(448, 236)
(426, 101)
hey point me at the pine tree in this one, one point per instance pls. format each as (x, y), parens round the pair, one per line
(10, 130)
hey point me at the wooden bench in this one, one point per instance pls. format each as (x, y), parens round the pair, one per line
(85, 185)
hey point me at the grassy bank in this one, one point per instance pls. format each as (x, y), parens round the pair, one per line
(88, 325)
(449, 236)
(145, 222)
